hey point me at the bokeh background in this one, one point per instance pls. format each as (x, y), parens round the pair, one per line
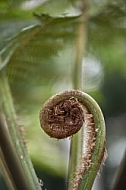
(43, 66)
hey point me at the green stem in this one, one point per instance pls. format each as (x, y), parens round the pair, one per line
(98, 153)
(87, 150)
(5, 172)
(92, 148)
(11, 160)
(76, 140)
(79, 51)
(19, 148)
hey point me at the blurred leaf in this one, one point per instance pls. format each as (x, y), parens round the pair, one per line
(27, 56)
(12, 10)
(23, 9)
(55, 6)
(107, 33)
(11, 28)
(33, 45)
(109, 24)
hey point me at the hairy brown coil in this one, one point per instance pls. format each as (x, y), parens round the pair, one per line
(61, 116)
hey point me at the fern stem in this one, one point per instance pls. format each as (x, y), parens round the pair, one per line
(20, 151)
(87, 151)
(13, 165)
(79, 51)
(76, 140)
(5, 171)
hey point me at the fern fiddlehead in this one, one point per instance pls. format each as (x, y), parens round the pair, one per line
(62, 116)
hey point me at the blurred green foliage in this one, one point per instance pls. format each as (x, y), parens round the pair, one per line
(37, 42)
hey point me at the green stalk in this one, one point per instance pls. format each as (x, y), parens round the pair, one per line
(13, 166)
(5, 172)
(19, 148)
(76, 140)
(93, 141)
(87, 150)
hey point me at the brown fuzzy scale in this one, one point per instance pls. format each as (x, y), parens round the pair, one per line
(90, 135)
(63, 119)
(22, 132)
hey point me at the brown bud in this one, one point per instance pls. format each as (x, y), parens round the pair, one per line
(61, 116)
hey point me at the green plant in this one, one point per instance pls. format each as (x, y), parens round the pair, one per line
(62, 116)
(33, 45)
